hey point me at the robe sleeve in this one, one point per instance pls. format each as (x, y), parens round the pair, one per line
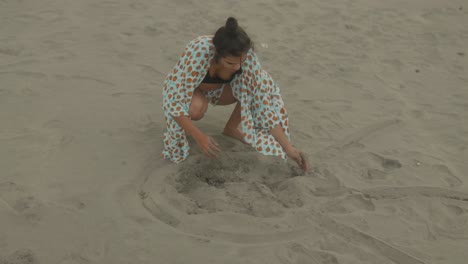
(265, 94)
(185, 77)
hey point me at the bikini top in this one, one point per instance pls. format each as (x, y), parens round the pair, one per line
(216, 79)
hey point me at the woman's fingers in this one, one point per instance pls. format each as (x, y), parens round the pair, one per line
(301, 159)
(304, 161)
(300, 162)
(209, 153)
(214, 142)
(214, 146)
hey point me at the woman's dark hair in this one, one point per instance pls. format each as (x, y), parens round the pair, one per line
(231, 40)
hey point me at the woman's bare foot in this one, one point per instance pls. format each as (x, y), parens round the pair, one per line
(234, 133)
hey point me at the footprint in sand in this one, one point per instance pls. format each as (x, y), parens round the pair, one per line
(11, 51)
(306, 255)
(138, 6)
(25, 74)
(449, 220)
(349, 204)
(155, 29)
(376, 166)
(89, 79)
(74, 259)
(445, 216)
(21, 256)
(18, 200)
(444, 171)
(26, 83)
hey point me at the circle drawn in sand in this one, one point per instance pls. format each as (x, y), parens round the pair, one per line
(245, 197)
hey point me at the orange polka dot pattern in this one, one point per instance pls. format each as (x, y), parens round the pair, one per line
(262, 107)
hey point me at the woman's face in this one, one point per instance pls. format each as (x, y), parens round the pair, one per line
(232, 63)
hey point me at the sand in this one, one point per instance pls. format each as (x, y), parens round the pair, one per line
(377, 93)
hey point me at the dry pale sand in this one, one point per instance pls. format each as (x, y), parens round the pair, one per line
(377, 93)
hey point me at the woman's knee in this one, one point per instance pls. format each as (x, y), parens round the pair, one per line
(198, 105)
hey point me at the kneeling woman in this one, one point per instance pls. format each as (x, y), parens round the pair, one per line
(223, 70)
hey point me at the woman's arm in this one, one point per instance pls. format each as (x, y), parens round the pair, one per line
(207, 144)
(295, 154)
(188, 126)
(280, 136)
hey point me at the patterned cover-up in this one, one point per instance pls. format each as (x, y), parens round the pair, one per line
(262, 107)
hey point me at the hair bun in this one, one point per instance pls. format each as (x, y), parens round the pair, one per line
(231, 24)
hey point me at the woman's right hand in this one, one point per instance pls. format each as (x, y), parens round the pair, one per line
(208, 145)
(299, 157)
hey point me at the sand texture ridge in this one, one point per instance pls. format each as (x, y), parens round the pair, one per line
(377, 96)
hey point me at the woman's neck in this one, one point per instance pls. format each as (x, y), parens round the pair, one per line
(214, 68)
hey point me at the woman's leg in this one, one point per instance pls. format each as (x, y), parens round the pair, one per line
(198, 105)
(231, 128)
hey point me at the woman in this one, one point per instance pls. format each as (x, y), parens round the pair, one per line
(224, 70)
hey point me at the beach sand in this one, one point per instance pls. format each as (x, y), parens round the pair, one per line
(377, 94)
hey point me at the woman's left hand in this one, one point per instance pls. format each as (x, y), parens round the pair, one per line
(299, 157)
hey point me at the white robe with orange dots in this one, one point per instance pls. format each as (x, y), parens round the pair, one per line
(262, 107)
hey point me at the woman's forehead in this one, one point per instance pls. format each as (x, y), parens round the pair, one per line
(234, 59)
